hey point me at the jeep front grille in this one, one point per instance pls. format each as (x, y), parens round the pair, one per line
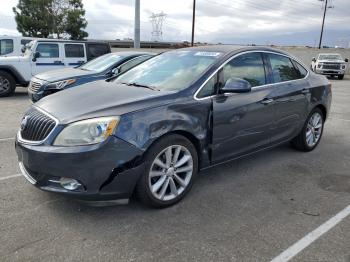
(36, 126)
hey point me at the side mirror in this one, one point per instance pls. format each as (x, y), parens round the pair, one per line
(35, 56)
(313, 59)
(236, 85)
(23, 49)
(116, 71)
(346, 60)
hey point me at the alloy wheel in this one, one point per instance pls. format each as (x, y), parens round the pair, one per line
(314, 129)
(170, 172)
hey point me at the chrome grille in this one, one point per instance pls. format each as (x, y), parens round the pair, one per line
(331, 66)
(34, 86)
(36, 126)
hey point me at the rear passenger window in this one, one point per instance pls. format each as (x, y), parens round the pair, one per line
(48, 50)
(249, 67)
(96, 50)
(301, 70)
(6, 46)
(74, 50)
(282, 68)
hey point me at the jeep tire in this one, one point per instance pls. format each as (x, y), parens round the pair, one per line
(7, 84)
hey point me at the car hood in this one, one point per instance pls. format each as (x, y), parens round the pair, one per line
(61, 74)
(331, 61)
(100, 98)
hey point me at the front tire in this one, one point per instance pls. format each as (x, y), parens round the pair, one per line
(311, 134)
(7, 84)
(171, 165)
(340, 77)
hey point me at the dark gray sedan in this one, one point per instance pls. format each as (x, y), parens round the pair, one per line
(153, 128)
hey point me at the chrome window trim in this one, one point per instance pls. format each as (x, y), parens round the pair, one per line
(255, 87)
(29, 142)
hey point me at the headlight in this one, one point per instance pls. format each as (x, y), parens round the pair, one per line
(319, 65)
(60, 84)
(87, 132)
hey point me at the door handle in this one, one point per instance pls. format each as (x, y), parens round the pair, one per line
(267, 101)
(305, 91)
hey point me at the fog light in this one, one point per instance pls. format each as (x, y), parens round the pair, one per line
(69, 183)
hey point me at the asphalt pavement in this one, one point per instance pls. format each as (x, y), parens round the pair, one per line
(252, 209)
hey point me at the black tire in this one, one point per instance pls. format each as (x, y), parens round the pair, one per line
(143, 190)
(340, 77)
(10, 84)
(299, 142)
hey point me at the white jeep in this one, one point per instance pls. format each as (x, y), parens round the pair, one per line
(13, 45)
(329, 64)
(43, 55)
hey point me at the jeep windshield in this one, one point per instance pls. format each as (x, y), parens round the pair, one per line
(330, 57)
(171, 71)
(101, 63)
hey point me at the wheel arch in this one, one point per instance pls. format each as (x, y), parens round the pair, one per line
(188, 135)
(14, 73)
(323, 110)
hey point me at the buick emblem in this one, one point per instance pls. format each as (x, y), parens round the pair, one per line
(24, 123)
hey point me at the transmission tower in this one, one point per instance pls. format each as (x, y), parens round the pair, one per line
(157, 21)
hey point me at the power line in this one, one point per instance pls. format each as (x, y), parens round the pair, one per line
(326, 6)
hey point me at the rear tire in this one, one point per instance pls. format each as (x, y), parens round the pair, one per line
(7, 84)
(340, 77)
(171, 166)
(311, 134)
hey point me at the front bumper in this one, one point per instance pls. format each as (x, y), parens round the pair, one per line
(107, 171)
(330, 71)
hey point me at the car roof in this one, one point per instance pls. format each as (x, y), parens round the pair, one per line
(130, 53)
(69, 41)
(227, 49)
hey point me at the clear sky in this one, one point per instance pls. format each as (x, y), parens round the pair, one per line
(285, 22)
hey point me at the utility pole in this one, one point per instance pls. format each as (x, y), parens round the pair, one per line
(324, 17)
(137, 25)
(193, 21)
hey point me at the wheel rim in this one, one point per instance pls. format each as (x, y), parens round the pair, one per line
(170, 172)
(314, 129)
(4, 84)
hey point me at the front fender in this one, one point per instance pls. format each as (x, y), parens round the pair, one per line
(143, 128)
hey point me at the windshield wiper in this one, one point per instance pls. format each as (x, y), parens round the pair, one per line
(141, 85)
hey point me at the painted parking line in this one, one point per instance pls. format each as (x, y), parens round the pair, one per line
(7, 139)
(297, 247)
(9, 177)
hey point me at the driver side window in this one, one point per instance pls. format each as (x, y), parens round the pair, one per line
(249, 67)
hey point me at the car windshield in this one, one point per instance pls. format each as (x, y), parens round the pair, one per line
(101, 63)
(330, 57)
(172, 71)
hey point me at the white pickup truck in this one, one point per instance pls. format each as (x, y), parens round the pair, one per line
(42, 55)
(329, 64)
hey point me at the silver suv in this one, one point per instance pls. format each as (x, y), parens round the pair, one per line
(329, 64)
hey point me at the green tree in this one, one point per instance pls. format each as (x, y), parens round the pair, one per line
(59, 18)
(32, 18)
(76, 21)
